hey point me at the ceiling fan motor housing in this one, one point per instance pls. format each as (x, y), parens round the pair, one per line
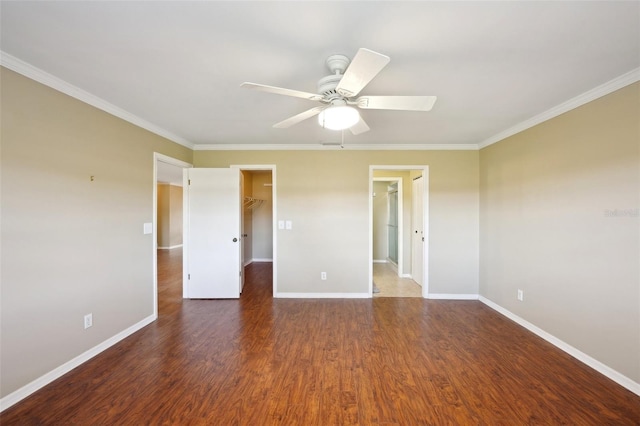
(327, 86)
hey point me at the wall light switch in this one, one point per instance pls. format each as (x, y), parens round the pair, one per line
(289, 225)
(147, 228)
(281, 224)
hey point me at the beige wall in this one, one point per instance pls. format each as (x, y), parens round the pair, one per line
(169, 215)
(549, 226)
(325, 194)
(70, 245)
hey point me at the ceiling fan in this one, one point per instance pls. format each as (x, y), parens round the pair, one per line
(338, 94)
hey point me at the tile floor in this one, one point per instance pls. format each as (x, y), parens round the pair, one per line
(386, 278)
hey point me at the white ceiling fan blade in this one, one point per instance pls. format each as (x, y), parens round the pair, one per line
(298, 118)
(359, 127)
(363, 68)
(282, 91)
(401, 103)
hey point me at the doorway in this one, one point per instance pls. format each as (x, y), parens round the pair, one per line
(412, 256)
(258, 243)
(167, 177)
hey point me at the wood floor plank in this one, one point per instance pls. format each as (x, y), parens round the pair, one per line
(383, 361)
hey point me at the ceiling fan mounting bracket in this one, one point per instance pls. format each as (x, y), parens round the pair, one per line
(338, 63)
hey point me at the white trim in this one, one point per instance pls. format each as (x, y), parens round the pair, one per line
(617, 377)
(380, 261)
(320, 147)
(445, 296)
(406, 276)
(588, 96)
(28, 70)
(257, 260)
(170, 247)
(287, 295)
(58, 372)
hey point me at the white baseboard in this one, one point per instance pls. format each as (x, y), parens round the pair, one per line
(170, 247)
(617, 377)
(406, 276)
(379, 260)
(257, 260)
(54, 374)
(444, 296)
(322, 295)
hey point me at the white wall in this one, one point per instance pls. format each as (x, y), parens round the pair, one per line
(262, 217)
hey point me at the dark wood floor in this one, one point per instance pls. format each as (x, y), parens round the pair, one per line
(264, 361)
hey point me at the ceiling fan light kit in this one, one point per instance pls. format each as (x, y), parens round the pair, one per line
(337, 92)
(338, 117)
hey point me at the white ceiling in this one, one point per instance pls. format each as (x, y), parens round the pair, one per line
(177, 66)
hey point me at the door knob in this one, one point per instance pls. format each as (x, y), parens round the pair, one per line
(235, 240)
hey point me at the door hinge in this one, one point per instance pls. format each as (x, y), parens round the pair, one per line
(189, 181)
(188, 276)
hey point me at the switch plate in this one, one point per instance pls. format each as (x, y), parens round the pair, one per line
(281, 224)
(147, 228)
(289, 225)
(520, 295)
(323, 276)
(88, 321)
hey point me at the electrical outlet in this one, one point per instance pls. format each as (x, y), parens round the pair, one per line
(323, 276)
(88, 321)
(520, 295)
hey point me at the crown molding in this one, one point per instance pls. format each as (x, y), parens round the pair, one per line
(588, 96)
(28, 70)
(349, 147)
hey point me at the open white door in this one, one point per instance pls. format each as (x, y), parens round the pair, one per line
(212, 233)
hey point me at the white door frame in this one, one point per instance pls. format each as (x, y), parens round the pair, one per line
(157, 157)
(399, 181)
(274, 214)
(425, 206)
